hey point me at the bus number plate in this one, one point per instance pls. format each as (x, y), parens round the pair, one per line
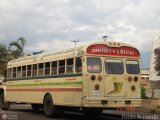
(95, 93)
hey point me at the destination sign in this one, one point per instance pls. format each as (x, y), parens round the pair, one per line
(113, 51)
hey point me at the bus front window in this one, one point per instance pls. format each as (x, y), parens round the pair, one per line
(132, 67)
(94, 65)
(114, 66)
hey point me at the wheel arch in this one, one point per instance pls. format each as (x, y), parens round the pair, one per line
(46, 95)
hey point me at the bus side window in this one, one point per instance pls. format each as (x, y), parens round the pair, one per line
(19, 72)
(47, 68)
(70, 65)
(54, 68)
(14, 72)
(5, 74)
(61, 66)
(10, 73)
(23, 71)
(78, 65)
(28, 70)
(40, 69)
(34, 70)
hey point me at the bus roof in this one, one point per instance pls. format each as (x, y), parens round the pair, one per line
(101, 47)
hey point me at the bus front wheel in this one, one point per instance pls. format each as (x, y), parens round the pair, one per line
(3, 104)
(49, 108)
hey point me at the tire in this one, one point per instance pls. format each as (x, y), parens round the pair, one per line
(92, 112)
(49, 108)
(35, 107)
(4, 105)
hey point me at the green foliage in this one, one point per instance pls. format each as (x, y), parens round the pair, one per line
(13, 51)
(143, 93)
(157, 60)
(16, 47)
(5, 54)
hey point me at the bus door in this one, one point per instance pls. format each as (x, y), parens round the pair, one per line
(114, 77)
(93, 81)
(132, 78)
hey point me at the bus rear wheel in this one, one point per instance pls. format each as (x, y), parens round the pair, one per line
(49, 108)
(3, 104)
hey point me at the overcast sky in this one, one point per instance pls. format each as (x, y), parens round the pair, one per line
(52, 24)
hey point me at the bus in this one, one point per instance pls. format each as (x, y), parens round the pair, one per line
(91, 78)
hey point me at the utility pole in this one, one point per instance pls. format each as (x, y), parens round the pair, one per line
(105, 37)
(75, 42)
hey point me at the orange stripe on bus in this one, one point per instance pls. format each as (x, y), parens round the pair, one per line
(48, 89)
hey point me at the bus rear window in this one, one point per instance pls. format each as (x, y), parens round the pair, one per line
(94, 65)
(132, 67)
(114, 66)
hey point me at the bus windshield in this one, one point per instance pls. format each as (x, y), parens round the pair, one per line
(132, 67)
(94, 65)
(114, 66)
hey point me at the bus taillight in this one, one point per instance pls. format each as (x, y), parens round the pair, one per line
(93, 77)
(129, 78)
(133, 88)
(96, 87)
(99, 77)
(135, 78)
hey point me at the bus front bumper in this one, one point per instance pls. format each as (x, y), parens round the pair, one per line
(106, 102)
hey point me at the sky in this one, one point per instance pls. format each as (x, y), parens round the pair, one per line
(51, 24)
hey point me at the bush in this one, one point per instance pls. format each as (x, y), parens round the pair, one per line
(143, 93)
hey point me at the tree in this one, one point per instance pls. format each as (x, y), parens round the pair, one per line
(7, 54)
(156, 84)
(157, 60)
(18, 46)
(4, 57)
(4, 53)
(143, 93)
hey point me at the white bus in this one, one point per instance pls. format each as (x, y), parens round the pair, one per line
(93, 77)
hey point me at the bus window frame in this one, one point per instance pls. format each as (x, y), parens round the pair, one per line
(61, 73)
(114, 73)
(19, 73)
(40, 70)
(75, 66)
(57, 69)
(138, 66)
(69, 66)
(24, 71)
(87, 64)
(9, 73)
(29, 70)
(47, 68)
(36, 71)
